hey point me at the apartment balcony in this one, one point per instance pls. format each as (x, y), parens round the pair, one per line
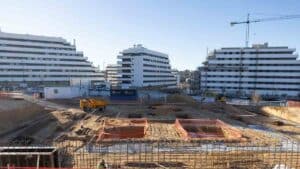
(253, 62)
(159, 78)
(157, 73)
(124, 62)
(29, 56)
(48, 73)
(15, 61)
(115, 76)
(46, 67)
(126, 73)
(123, 78)
(37, 50)
(123, 57)
(126, 68)
(38, 44)
(79, 52)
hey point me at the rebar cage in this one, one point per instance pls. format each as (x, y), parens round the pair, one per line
(121, 154)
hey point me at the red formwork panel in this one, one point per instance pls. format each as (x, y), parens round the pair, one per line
(35, 167)
(4, 94)
(206, 129)
(293, 103)
(125, 129)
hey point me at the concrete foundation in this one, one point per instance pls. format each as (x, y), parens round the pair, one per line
(207, 130)
(123, 129)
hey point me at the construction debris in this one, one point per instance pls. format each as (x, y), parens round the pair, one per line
(134, 115)
(278, 123)
(22, 140)
(83, 131)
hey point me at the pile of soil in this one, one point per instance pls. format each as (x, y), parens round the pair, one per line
(181, 98)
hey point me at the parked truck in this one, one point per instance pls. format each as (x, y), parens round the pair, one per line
(92, 105)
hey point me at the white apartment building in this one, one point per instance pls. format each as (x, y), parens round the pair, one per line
(113, 75)
(260, 69)
(176, 74)
(38, 61)
(141, 67)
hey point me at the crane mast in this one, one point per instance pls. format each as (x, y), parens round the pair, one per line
(247, 30)
(247, 22)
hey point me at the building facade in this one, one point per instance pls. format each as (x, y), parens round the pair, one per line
(184, 75)
(190, 81)
(195, 82)
(112, 74)
(141, 67)
(259, 69)
(39, 61)
(176, 74)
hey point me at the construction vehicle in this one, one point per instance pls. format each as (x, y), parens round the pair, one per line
(221, 98)
(93, 105)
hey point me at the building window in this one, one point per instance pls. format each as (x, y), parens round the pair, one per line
(55, 91)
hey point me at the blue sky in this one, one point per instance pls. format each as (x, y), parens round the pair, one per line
(184, 29)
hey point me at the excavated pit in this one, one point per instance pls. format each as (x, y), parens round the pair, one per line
(123, 129)
(206, 129)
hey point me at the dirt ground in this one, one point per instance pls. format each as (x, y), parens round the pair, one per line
(12, 112)
(273, 119)
(288, 113)
(26, 122)
(160, 119)
(74, 124)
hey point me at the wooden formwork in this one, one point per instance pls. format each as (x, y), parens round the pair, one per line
(125, 129)
(207, 129)
(293, 103)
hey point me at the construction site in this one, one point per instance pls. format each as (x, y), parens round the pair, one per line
(177, 132)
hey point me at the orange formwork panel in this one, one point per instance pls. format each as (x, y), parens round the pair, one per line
(34, 167)
(4, 94)
(124, 129)
(293, 103)
(207, 129)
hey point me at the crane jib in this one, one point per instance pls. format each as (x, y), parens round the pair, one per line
(248, 21)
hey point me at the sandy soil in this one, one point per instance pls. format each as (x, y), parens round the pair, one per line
(161, 130)
(76, 124)
(14, 112)
(288, 113)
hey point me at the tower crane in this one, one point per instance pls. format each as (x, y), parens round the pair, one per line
(248, 22)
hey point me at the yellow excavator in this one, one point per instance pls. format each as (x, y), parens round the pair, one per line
(93, 105)
(221, 98)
